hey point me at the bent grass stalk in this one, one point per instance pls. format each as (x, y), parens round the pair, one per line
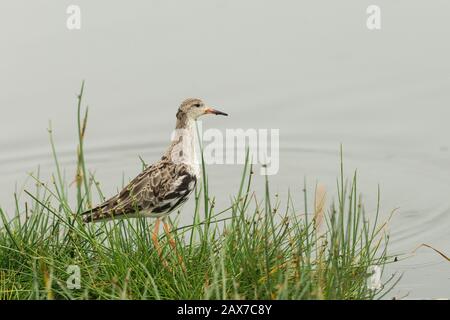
(253, 249)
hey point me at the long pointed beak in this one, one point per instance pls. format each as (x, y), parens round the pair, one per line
(216, 112)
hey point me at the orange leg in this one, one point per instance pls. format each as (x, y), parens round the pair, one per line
(172, 242)
(156, 242)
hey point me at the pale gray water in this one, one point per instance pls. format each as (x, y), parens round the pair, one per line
(310, 68)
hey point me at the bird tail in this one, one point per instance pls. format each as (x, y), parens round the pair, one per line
(91, 215)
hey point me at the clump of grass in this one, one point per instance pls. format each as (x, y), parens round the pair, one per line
(256, 248)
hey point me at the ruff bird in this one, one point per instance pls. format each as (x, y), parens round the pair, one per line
(164, 186)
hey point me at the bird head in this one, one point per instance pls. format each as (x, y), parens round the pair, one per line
(193, 108)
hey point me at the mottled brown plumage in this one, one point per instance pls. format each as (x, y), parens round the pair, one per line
(165, 185)
(157, 191)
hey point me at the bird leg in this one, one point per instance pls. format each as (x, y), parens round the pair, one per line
(156, 242)
(172, 242)
(167, 232)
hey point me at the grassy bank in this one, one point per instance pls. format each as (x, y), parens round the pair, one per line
(260, 247)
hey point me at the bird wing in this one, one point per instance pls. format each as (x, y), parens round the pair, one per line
(159, 189)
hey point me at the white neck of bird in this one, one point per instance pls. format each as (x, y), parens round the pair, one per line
(183, 147)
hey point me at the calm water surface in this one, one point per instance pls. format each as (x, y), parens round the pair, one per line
(310, 69)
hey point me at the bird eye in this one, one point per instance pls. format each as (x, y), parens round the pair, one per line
(197, 105)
